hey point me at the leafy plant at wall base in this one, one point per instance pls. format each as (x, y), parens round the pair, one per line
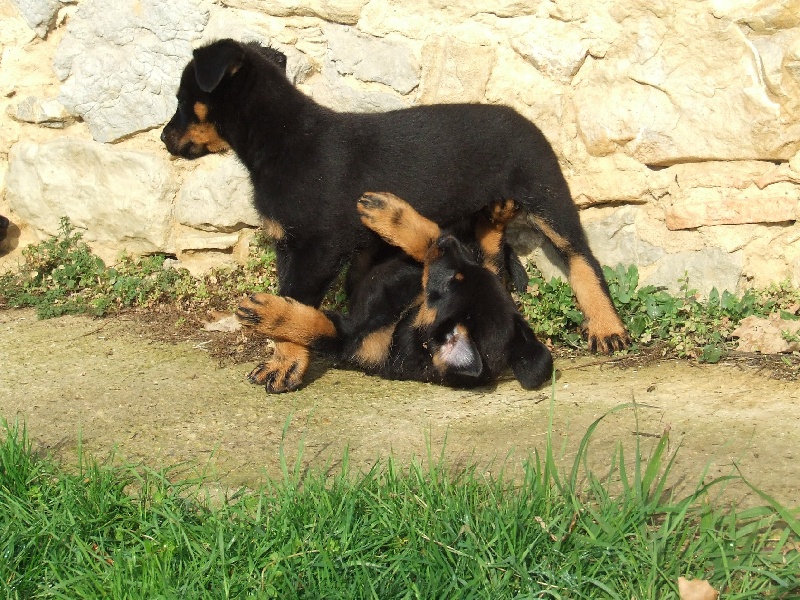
(551, 310)
(56, 275)
(689, 326)
(61, 275)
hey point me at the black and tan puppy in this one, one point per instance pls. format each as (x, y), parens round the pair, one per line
(436, 310)
(309, 165)
(4, 223)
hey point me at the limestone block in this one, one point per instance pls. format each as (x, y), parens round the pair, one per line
(336, 11)
(203, 241)
(615, 240)
(706, 269)
(121, 198)
(761, 15)
(779, 55)
(685, 88)
(40, 15)
(218, 199)
(40, 111)
(766, 335)
(121, 62)
(391, 62)
(618, 239)
(732, 193)
(515, 82)
(421, 18)
(556, 49)
(454, 70)
(615, 178)
(335, 91)
(716, 207)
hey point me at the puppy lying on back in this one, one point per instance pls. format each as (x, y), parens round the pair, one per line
(433, 310)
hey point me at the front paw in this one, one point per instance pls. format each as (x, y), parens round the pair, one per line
(252, 309)
(276, 378)
(284, 370)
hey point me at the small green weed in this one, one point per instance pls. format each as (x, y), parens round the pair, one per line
(550, 308)
(58, 276)
(687, 325)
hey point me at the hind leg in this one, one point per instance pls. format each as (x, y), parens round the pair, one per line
(398, 223)
(490, 229)
(603, 327)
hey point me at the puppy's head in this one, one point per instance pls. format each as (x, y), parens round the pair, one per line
(196, 129)
(475, 331)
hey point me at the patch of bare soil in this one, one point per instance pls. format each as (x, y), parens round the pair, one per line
(150, 391)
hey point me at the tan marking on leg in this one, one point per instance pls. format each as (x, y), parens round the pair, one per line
(284, 319)
(604, 328)
(558, 241)
(501, 213)
(273, 229)
(426, 314)
(206, 135)
(374, 349)
(490, 229)
(490, 239)
(398, 223)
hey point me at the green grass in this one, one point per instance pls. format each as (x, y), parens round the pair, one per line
(393, 532)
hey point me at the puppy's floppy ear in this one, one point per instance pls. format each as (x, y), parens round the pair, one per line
(276, 56)
(213, 62)
(530, 359)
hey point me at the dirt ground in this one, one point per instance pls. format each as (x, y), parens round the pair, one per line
(114, 386)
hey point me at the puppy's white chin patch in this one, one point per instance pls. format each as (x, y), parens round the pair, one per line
(458, 351)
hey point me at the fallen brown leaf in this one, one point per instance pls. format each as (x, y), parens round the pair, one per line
(225, 322)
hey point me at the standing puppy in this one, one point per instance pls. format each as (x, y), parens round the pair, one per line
(309, 165)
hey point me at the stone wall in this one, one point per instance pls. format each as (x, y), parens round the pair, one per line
(677, 123)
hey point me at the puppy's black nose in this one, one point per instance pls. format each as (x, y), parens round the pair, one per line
(163, 136)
